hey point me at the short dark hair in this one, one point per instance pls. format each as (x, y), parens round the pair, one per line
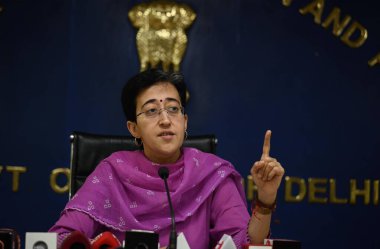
(144, 80)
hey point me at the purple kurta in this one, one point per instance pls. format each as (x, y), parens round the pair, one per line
(125, 192)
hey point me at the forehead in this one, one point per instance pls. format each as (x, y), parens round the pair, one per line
(159, 91)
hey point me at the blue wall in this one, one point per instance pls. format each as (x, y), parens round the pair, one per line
(250, 66)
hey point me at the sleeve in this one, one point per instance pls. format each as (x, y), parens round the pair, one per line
(73, 220)
(229, 214)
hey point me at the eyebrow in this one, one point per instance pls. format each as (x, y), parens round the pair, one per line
(169, 99)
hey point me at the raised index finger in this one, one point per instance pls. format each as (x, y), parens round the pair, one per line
(266, 146)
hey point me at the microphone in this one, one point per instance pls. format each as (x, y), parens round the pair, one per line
(9, 239)
(76, 240)
(105, 240)
(163, 172)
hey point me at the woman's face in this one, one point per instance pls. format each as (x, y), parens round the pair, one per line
(159, 123)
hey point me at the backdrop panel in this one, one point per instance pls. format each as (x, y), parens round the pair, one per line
(249, 66)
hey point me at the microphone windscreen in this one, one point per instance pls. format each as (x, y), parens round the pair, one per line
(104, 241)
(76, 240)
(163, 172)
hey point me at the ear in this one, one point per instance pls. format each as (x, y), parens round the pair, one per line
(185, 120)
(133, 129)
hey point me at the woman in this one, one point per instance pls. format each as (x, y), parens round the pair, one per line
(125, 192)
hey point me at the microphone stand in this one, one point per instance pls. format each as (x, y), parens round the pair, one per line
(163, 172)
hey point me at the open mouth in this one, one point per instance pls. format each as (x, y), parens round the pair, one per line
(166, 134)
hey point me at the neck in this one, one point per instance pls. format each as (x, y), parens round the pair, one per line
(163, 159)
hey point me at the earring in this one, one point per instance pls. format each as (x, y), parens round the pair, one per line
(185, 135)
(137, 143)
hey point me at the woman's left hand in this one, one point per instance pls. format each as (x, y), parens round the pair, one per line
(267, 174)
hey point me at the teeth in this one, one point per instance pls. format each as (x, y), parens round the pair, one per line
(166, 133)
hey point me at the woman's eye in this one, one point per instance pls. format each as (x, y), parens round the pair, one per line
(173, 109)
(151, 111)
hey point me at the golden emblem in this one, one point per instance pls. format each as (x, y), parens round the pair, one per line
(161, 36)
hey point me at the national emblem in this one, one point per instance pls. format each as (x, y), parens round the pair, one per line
(161, 36)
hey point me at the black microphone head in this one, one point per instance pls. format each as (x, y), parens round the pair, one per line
(163, 172)
(76, 240)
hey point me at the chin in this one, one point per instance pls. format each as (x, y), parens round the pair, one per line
(170, 149)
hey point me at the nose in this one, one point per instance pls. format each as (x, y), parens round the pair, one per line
(163, 116)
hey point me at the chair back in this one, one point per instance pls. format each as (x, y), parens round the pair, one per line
(87, 150)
